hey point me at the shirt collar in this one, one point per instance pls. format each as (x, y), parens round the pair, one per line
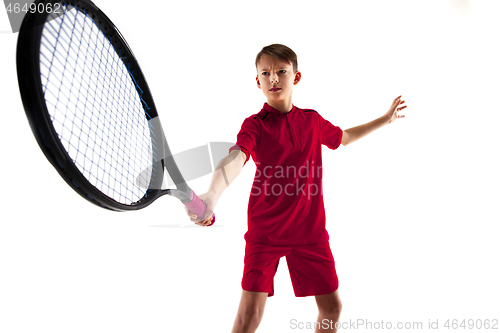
(269, 108)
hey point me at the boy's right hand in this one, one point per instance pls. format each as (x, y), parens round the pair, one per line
(210, 201)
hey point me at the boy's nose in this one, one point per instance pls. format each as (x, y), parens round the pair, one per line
(274, 78)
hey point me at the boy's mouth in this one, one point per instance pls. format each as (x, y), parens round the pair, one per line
(275, 89)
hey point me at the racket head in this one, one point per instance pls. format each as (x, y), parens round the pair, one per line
(80, 158)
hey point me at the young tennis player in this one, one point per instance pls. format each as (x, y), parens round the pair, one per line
(286, 215)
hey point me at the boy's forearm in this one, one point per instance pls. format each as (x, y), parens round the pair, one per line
(355, 133)
(225, 173)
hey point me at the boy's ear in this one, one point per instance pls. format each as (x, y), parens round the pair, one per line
(298, 76)
(258, 82)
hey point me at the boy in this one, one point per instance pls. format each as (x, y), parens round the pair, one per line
(286, 214)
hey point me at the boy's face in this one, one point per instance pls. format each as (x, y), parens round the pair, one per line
(276, 79)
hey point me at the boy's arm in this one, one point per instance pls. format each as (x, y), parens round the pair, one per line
(226, 172)
(355, 133)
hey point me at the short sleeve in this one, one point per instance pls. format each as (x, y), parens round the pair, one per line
(247, 138)
(331, 134)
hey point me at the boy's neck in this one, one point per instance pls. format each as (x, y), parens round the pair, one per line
(281, 106)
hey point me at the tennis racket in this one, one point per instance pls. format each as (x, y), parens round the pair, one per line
(91, 110)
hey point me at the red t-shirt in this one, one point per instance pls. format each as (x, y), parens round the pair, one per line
(286, 201)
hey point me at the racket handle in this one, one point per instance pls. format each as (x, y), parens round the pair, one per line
(198, 207)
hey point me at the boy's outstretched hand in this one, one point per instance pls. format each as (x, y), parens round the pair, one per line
(392, 114)
(210, 201)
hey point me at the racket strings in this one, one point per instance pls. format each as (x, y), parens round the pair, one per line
(95, 106)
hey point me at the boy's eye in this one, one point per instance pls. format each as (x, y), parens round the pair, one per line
(265, 73)
(282, 71)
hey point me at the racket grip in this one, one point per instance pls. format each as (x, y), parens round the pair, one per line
(198, 207)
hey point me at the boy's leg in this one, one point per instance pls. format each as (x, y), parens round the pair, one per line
(250, 312)
(329, 307)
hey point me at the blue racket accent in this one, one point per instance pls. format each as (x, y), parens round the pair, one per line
(96, 106)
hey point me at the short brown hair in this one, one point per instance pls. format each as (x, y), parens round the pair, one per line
(281, 52)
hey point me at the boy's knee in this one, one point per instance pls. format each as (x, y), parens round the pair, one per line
(248, 319)
(252, 315)
(332, 308)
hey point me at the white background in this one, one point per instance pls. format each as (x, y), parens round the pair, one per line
(412, 209)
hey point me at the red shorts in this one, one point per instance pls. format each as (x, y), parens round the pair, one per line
(311, 268)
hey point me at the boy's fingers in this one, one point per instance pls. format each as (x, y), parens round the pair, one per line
(205, 222)
(202, 224)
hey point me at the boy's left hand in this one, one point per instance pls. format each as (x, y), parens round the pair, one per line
(392, 114)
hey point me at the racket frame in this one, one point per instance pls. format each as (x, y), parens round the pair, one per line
(30, 86)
